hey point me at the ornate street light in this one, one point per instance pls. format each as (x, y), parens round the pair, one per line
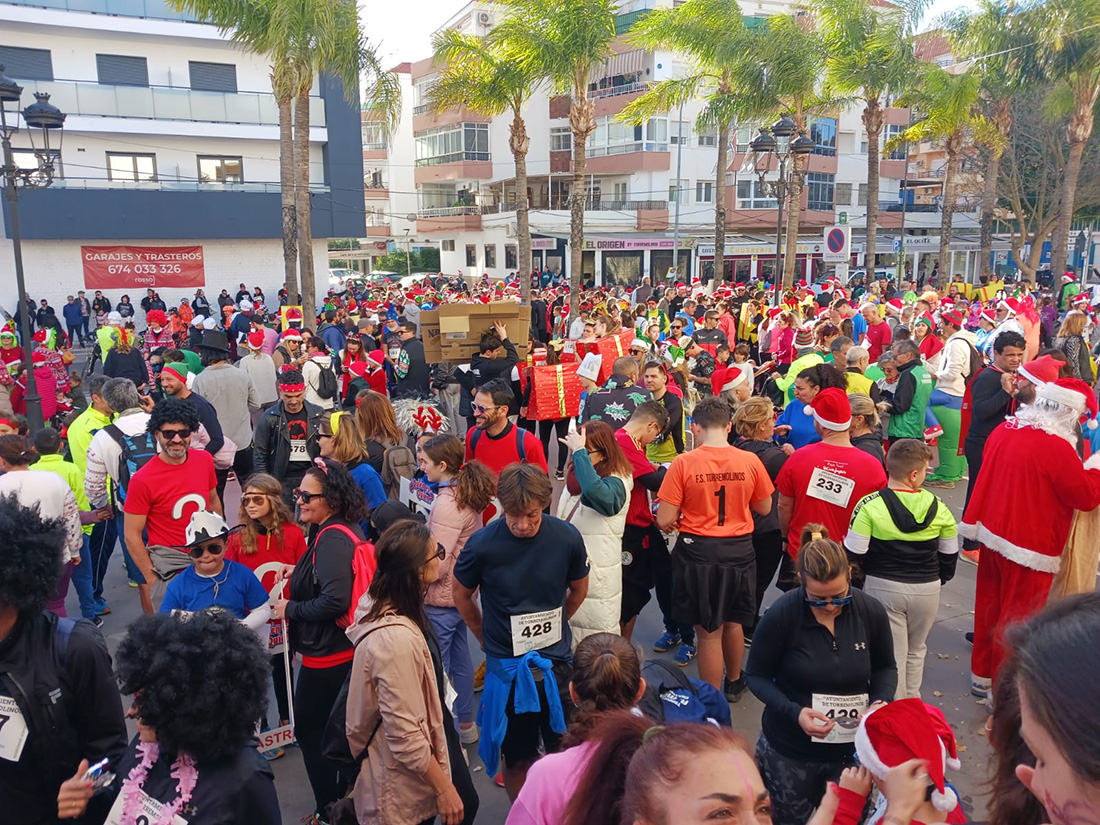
(44, 126)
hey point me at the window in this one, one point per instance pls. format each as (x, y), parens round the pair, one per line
(678, 128)
(704, 191)
(422, 89)
(213, 77)
(119, 70)
(678, 190)
(449, 246)
(490, 256)
(819, 188)
(744, 136)
(510, 256)
(561, 139)
(863, 146)
(373, 179)
(374, 136)
(27, 159)
(613, 137)
(709, 137)
(823, 132)
(861, 199)
(471, 254)
(131, 167)
(376, 217)
(843, 194)
(891, 131)
(220, 169)
(26, 64)
(449, 144)
(751, 195)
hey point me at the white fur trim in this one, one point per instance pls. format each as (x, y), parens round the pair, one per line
(832, 425)
(1013, 552)
(868, 756)
(946, 801)
(954, 764)
(1064, 396)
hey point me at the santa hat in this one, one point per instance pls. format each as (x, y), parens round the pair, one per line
(156, 316)
(197, 321)
(293, 314)
(1073, 393)
(731, 378)
(1011, 304)
(38, 357)
(894, 305)
(376, 356)
(1041, 371)
(639, 343)
(953, 318)
(839, 293)
(989, 315)
(1068, 278)
(358, 369)
(774, 311)
(256, 339)
(42, 335)
(803, 338)
(1081, 300)
(821, 312)
(907, 729)
(291, 335)
(830, 409)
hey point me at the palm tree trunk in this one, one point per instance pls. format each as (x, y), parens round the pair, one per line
(286, 185)
(953, 145)
(794, 212)
(519, 142)
(582, 121)
(1078, 132)
(720, 204)
(989, 203)
(872, 123)
(305, 229)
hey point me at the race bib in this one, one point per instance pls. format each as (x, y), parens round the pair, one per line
(535, 631)
(13, 730)
(845, 711)
(830, 487)
(151, 812)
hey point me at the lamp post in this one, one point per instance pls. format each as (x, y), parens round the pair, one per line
(41, 117)
(778, 141)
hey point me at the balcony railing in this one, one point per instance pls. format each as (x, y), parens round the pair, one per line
(626, 148)
(625, 89)
(374, 147)
(150, 9)
(448, 211)
(562, 204)
(422, 109)
(81, 98)
(175, 186)
(453, 157)
(894, 206)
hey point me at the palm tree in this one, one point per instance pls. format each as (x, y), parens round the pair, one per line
(1070, 55)
(948, 107)
(480, 78)
(562, 41)
(869, 54)
(712, 34)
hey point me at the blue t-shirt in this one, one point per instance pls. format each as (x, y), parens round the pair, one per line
(239, 591)
(802, 427)
(859, 326)
(522, 576)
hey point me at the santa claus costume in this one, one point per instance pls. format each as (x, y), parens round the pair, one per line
(1031, 482)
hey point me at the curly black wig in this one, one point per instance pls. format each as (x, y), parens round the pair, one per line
(31, 555)
(199, 680)
(344, 496)
(173, 411)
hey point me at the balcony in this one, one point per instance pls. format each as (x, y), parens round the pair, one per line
(589, 206)
(453, 157)
(85, 99)
(149, 9)
(422, 109)
(895, 206)
(614, 91)
(449, 218)
(264, 187)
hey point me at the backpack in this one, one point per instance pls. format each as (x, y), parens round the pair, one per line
(327, 385)
(398, 462)
(137, 451)
(521, 445)
(673, 696)
(334, 740)
(363, 566)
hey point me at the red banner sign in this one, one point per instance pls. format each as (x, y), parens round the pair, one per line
(142, 267)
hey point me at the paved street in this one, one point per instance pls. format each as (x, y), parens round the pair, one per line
(946, 684)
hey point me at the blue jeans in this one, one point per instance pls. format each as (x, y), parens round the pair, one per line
(455, 650)
(82, 582)
(132, 570)
(941, 399)
(101, 545)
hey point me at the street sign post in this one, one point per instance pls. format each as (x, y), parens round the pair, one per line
(838, 242)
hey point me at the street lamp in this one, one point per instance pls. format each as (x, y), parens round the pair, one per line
(41, 117)
(780, 141)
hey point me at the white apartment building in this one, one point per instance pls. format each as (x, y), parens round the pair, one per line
(170, 152)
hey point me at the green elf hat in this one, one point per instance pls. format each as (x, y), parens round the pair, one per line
(178, 371)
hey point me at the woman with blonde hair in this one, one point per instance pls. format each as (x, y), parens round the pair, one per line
(269, 539)
(866, 432)
(378, 425)
(1071, 341)
(340, 439)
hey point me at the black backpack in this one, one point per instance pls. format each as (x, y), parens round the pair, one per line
(327, 385)
(137, 451)
(673, 696)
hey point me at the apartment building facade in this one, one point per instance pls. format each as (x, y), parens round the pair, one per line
(170, 153)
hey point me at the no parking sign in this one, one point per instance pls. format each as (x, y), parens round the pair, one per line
(838, 241)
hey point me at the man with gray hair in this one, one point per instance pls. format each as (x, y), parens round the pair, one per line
(115, 453)
(856, 360)
(908, 404)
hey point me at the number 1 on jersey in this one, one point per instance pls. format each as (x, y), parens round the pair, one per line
(720, 494)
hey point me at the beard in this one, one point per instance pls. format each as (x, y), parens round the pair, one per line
(1053, 419)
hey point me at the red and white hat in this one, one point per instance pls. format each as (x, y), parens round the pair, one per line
(1041, 371)
(1080, 300)
(830, 409)
(1069, 278)
(909, 729)
(894, 305)
(377, 356)
(1011, 304)
(728, 378)
(952, 317)
(1075, 394)
(989, 315)
(291, 334)
(256, 339)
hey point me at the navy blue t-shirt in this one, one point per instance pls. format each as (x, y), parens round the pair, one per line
(520, 577)
(239, 591)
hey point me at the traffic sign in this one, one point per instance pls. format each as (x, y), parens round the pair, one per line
(897, 245)
(837, 245)
(842, 218)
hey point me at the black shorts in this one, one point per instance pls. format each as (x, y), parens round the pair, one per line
(713, 581)
(526, 730)
(640, 548)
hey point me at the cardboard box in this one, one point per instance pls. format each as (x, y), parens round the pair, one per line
(453, 332)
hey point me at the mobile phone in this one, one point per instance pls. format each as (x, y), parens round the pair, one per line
(98, 775)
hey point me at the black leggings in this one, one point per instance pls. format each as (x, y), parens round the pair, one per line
(314, 696)
(770, 549)
(278, 678)
(560, 428)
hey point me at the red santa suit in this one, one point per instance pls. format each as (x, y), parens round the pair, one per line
(1021, 510)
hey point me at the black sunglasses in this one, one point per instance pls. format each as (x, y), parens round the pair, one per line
(213, 549)
(171, 435)
(440, 553)
(306, 498)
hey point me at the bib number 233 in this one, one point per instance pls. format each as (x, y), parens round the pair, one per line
(830, 487)
(535, 631)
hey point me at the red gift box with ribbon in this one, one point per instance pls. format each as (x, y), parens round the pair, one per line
(611, 347)
(555, 392)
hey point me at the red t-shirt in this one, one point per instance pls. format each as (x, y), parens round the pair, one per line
(270, 549)
(167, 494)
(879, 337)
(498, 452)
(638, 513)
(826, 481)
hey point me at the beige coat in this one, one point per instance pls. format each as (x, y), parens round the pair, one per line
(393, 691)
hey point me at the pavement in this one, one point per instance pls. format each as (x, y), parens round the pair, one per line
(946, 683)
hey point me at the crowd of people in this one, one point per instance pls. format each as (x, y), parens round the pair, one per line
(763, 464)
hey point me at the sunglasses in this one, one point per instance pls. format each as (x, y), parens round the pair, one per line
(842, 601)
(306, 498)
(172, 435)
(215, 549)
(440, 553)
(637, 352)
(325, 435)
(677, 326)
(254, 498)
(480, 410)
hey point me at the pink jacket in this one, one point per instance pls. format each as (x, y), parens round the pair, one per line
(451, 527)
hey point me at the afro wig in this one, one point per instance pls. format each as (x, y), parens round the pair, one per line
(200, 680)
(31, 556)
(173, 411)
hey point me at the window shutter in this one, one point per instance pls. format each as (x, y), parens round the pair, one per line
(213, 77)
(26, 64)
(119, 70)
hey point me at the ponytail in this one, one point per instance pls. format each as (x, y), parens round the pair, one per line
(607, 675)
(819, 557)
(475, 486)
